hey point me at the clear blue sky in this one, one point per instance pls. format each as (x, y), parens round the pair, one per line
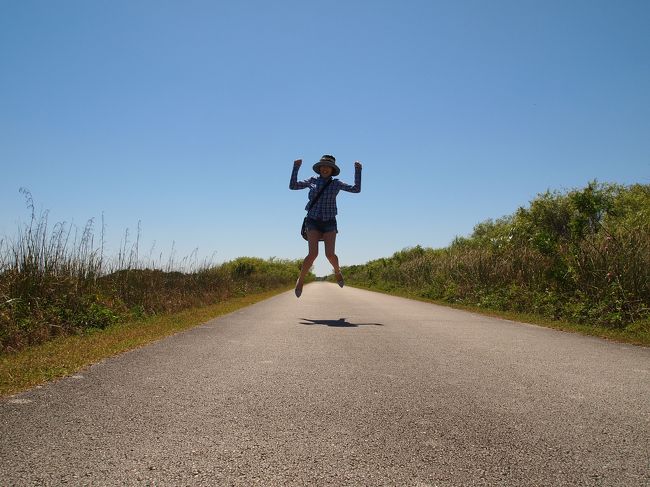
(187, 115)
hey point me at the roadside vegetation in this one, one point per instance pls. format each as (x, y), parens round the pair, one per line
(581, 257)
(57, 282)
(65, 355)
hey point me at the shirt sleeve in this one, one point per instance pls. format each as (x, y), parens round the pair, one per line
(357, 183)
(294, 183)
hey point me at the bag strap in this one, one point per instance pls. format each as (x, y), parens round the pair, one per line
(313, 202)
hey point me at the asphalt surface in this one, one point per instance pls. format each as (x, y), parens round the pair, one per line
(342, 387)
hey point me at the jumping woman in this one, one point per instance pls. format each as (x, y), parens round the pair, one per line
(321, 211)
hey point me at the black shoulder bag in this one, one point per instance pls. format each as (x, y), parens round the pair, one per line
(303, 229)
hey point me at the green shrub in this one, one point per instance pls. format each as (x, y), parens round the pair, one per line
(583, 255)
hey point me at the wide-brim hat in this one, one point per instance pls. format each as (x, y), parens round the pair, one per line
(329, 161)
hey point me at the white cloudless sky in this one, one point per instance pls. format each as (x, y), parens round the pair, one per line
(186, 116)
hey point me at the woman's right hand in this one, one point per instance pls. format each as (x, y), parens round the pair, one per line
(297, 163)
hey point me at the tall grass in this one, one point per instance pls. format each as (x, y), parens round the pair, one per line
(56, 280)
(581, 256)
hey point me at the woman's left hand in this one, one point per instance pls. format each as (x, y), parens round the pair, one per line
(357, 165)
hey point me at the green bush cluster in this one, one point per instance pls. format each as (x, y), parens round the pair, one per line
(581, 256)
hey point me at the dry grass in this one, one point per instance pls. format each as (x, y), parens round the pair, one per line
(56, 281)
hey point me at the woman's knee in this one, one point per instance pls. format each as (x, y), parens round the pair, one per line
(330, 255)
(312, 255)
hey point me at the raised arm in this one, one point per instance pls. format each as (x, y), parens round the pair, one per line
(357, 180)
(293, 182)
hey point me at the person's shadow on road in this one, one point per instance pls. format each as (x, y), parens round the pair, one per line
(341, 322)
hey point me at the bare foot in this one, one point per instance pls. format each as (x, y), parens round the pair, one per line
(339, 279)
(298, 289)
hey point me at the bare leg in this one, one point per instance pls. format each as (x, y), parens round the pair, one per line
(330, 252)
(313, 236)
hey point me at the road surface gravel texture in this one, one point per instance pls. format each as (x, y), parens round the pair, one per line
(342, 387)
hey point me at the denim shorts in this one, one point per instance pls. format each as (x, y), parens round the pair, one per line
(322, 226)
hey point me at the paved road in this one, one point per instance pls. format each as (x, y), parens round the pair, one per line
(342, 387)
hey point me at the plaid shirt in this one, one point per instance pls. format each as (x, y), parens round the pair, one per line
(325, 207)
